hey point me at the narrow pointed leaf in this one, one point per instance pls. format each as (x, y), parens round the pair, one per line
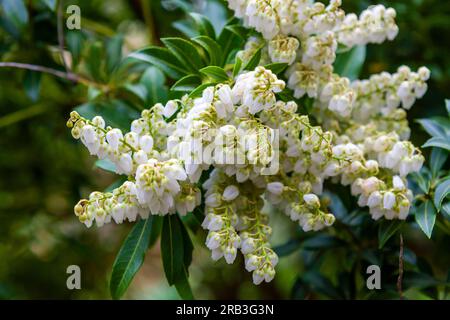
(204, 26)
(163, 59)
(130, 257)
(212, 48)
(215, 73)
(438, 158)
(441, 192)
(185, 52)
(426, 217)
(386, 230)
(172, 248)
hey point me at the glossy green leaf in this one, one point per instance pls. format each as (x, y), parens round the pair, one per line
(437, 160)
(321, 241)
(228, 41)
(113, 52)
(445, 209)
(172, 248)
(32, 84)
(16, 12)
(238, 30)
(154, 81)
(288, 248)
(95, 61)
(319, 283)
(203, 25)
(51, 4)
(387, 229)
(425, 216)
(183, 287)
(254, 60)
(422, 180)
(441, 192)
(237, 67)
(432, 127)
(187, 83)
(106, 165)
(185, 52)
(115, 112)
(199, 90)
(130, 257)
(212, 48)
(163, 59)
(440, 142)
(276, 67)
(75, 42)
(350, 63)
(215, 73)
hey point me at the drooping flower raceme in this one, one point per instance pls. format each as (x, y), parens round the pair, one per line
(256, 148)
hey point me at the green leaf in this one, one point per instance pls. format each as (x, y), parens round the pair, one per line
(188, 247)
(438, 158)
(350, 63)
(439, 142)
(172, 248)
(254, 60)
(319, 283)
(237, 67)
(228, 41)
(185, 52)
(154, 81)
(203, 25)
(445, 209)
(199, 90)
(16, 12)
(432, 127)
(115, 112)
(321, 241)
(130, 257)
(95, 61)
(32, 84)
(113, 52)
(156, 230)
(215, 73)
(186, 28)
(187, 83)
(106, 165)
(287, 248)
(51, 4)
(441, 192)
(74, 40)
(163, 59)
(183, 287)
(447, 106)
(212, 48)
(238, 30)
(425, 216)
(387, 229)
(276, 67)
(422, 180)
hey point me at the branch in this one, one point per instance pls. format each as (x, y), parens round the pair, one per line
(65, 75)
(61, 33)
(400, 268)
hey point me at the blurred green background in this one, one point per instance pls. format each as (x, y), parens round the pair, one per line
(44, 171)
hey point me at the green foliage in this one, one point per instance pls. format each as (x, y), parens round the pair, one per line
(36, 224)
(131, 255)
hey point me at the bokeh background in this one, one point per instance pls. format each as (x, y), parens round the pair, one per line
(44, 171)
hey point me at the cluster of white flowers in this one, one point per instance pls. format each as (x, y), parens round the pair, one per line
(320, 29)
(383, 92)
(391, 200)
(375, 25)
(256, 148)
